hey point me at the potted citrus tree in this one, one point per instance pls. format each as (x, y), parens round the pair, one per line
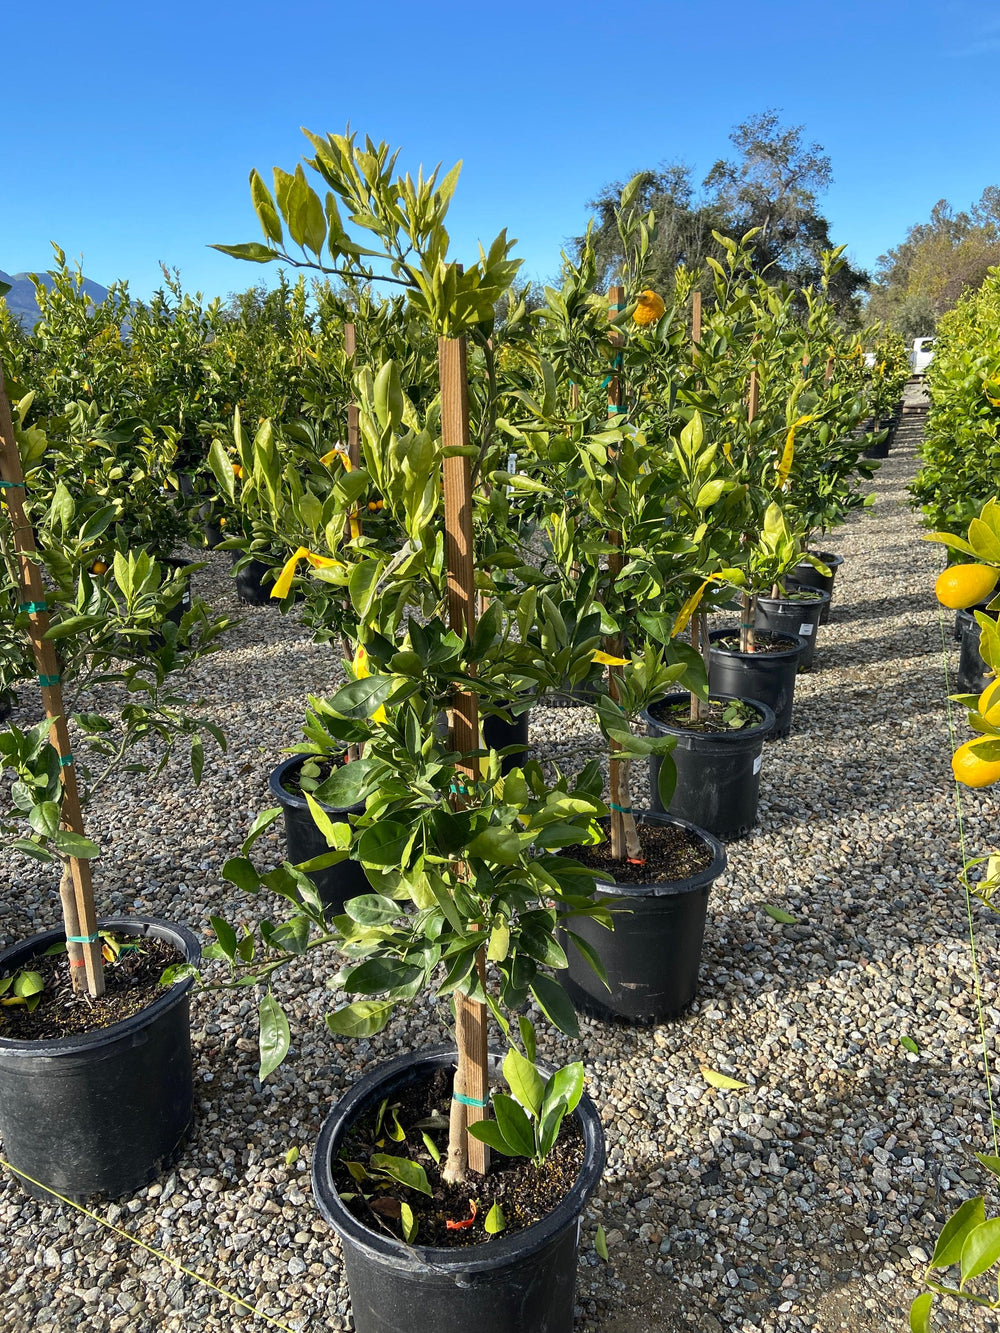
(95, 1089)
(466, 866)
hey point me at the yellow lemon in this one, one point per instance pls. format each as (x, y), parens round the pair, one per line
(961, 586)
(988, 706)
(972, 771)
(649, 309)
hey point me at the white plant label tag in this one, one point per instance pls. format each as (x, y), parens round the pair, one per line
(512, 469)
(805, 630)
(756, 763)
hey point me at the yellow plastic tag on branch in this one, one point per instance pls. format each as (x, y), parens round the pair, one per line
(283, 582)
(688, 610)
(605, 659)
(338, 452)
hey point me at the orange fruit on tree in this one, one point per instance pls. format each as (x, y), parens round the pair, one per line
(971, 770)
(649, 308)
(99, 567)
(962, 586)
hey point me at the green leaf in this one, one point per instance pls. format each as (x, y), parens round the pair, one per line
(514, 1125)
(555, 1004)
(363, 1018)
(349, 784)
(361, 698)
(74, 844)
(981, 1249)
(920, 1313)
(274, 1036)
(197, 759)
(779, 914)
(524, 1081)
(527, 1030)
(260, 825)
(488, 1131)
(566, 1084)
(252, 250)
(408, 1222)
(44, 818)
(28, 983)
(402, 1170)
(666, 780)
(430, 1145)
(909, 1045)
(225, 934)
(291, 1156)
(601, 1243)
(965, 1219)
(495, 1221)
(372, 909)
(992, 1164)
(240, 871)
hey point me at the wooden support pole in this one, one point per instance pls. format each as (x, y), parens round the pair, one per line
(699, 621)
(696, 321)
(748, 601)
(472, 1075)
(87, 969)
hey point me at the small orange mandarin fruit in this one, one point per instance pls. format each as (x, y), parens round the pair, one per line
(649, 309)
(99, 567)
(962, 586)
(972, 771)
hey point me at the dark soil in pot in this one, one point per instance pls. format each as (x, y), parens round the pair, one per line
(797, 613)
(767, 674)
(102, 1112)
(653, 954)
(525, 1192)
(303, 840)
(808, 576)
(717, 764)
(523, 1282)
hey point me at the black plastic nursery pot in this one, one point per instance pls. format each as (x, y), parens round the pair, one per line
(808, 576)
(303, 840)
(974, 673)
(507, 728)
(769, 677)
(718, 773)
(250, 584)
(794, 616)
(104, 1112)
(653, 955)
(523, 1283)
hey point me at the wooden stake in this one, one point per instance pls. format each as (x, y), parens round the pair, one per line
(472, 1075)
(696, 321)
(86, 966)
(748, 602)
(753, 397)
(699, 621)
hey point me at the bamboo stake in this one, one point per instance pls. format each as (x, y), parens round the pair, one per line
(624, 836)
(353, 425)
(80, 918)
(472, 1075)
(748, 601)
(699, 621)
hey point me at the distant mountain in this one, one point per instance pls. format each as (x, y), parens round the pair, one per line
(21, 297)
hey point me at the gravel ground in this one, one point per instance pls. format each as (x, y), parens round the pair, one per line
(809, 1201)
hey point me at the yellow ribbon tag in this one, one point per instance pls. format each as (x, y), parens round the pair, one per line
(606, 659)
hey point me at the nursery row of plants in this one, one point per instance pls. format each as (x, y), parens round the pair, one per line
(478, 511)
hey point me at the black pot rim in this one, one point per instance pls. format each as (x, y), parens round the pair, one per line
(468, 1259)
(171, 931)
(671, 887)
(830, 558)
(289, 798)
(711, 737)
(819, 595)
(780, 656)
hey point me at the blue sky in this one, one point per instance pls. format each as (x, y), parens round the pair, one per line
(129, 130)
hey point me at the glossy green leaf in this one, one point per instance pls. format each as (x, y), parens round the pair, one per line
(963, 1220)
(274, 1036)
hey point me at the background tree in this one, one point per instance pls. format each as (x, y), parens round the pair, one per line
(771, 185)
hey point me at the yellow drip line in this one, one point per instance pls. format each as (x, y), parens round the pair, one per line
(158, 1254)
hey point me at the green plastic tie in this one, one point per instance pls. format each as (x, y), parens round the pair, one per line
(617, 407)
(622, 809)
(469, 1101)
(65, 760)
(33, 606)
(9, 485)
(45, 681)
(82, 939)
